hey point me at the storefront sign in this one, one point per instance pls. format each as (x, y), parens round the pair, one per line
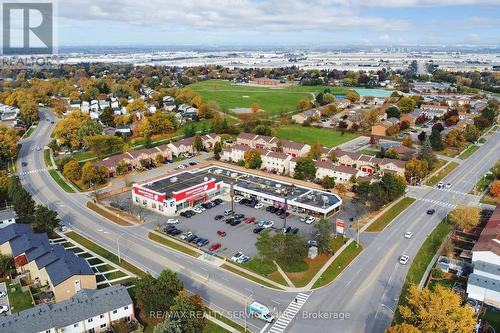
(340, 226)
(194, 191)
(149, 195)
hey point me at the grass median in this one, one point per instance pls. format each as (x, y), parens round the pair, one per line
(163, 240)
(60, 181)
(248, 276)
(225, 320)
(441, 174)
(91, 246)
(422, 260)
(339, 264)
(107, 214)
(46, 158)
(390, 215)
(468, 152)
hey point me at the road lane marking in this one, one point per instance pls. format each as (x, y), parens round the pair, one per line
(290, 312)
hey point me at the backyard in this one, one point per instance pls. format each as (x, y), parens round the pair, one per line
(18, 299)
(311, 135)
(272, 100)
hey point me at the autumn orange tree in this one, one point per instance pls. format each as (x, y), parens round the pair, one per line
(495, 189)
(438, 311)
(465, 217)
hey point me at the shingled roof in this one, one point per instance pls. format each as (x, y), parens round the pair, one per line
(490, 236)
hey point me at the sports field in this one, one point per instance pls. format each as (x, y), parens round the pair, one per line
(272, 100)
(327, 137)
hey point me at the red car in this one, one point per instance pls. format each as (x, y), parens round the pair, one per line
(215, 247)
(221, 233)
(250, 220)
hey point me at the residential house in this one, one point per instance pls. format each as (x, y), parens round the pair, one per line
(182, 146)
(431, 88)
(410, 118)
(275, 162)
(434, 110)
(87, 311)
(234, 153)
(112, 162)
(49, 264)
(341, 174)
(342, 103)
(390, 165)
(209, 140)
(380, 129)
(85, 107)
(75, 105)
(300, 118)
(294, 149)
(7, 217)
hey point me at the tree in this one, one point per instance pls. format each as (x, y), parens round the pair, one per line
(45, 220)
(28, 110)
(189, 310)
(263, 130)
(407, 104)
(103, 145)
(304, 104)
(189, 130)
(393, 112)
(495, 189)
(253, 159)
(472, 133)
(265, 246)
(455, 138)
(255, 107)
(392, 153)
(72, 170)
(23, 203)
(427, 154)
(465, 217)
(403, 328)
(340, 188)
(328, 98)
(316, 150)
(416, 169)
(107, 117)
(6, 264)
(161, 123)
(217, 150)
(319, 98)
(137, 105)
(333, 157)
(352, 96)
(67, 130)
(436, 140)
(407, 141)
(157, 294)
(439, 311)
(305, 168)
(421, 136)
(90, 174)
(328, 182)
(123, 166)
(8, 143)
(198, 143)
(169, 325)
(323, 235)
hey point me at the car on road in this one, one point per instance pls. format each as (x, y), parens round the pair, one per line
(24, 164)
(4, 309)
(236, 256)
(3, 294)
(221, 233)
(172, 221)
(440, 185)
(403, 260)
(250, 220)
(408, 234)
(448, 185)
(38, 148)
(63, 228)
(310, 219)
(218, 217)
(215, 246)
(258, 206)
(258, 230)
(431, 211)
(52, 122)
(202, 242)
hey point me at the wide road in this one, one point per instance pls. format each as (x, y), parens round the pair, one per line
(222, 290)
(367, 290)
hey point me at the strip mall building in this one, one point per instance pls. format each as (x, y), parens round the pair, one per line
(172, 194)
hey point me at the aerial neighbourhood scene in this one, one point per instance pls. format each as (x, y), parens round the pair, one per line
(250, 166)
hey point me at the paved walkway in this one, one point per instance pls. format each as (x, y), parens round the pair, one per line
(283, 274)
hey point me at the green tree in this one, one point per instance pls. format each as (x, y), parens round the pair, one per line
(90, 174)
(198, 143)
(103, 145)
(436, 140)
(305, 168)
(263, 130)
(392, 153)
(72, 170)
(107, 117)
(315, 152)
(253, 159)
(190, 311)
(472, 133)
(88, 127)
(217, 150)
(323, 235)
(407, 104)
(393, 112)
(23, 203)
(8, 143)
(157, 294)
(6, 264)
(328, 182)
(45, 220)
(465, 217)
(265, 246)
(28, 110)
(189, 130)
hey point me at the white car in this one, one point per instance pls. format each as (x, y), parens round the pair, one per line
(258, 206)
(63, 228)
(310, 219)
(267, 224)
(243, 259)
(403, 260)
(408, 234)
(303, 218)
(3, 294)
(182, 166)
(38, 148)
(172, 221)
(440, 185)
(448, 185)
(4, 309)
(198, 210)
(237, 256)
(186, 235)
(237, 199)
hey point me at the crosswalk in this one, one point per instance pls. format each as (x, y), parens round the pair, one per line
(30, 172)
(454, 192)
(291, 311)
(439, 203)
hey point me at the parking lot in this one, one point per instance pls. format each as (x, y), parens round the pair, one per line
(238, 238)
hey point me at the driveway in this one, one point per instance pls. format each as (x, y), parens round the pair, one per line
(4, 300)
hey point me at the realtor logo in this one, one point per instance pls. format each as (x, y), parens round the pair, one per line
(27, 28)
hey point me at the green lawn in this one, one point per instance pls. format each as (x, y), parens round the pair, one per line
(60, 181)
(46, 158)
(492, 316)
(169, 243)
(441, 174)
(212, 327)
(83, 155)
(18, 299)
(272, 100)
(468, 152)
(103, 253)
(226, 320)
(248, 276)
(29, 131)
(311, 135)
(422, 260)
(339, 264)
(390, 215)
(368, 152)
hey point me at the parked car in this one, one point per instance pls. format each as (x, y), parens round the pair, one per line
(191, 238)
(195, 239)
(286, 230)
(285, 214)
(258, 205)
(3, 294)
(229, 220)
(431, 211)
(268, 208)
(215, 246)
(202, 242)
(408, 234)
(172, 221)
(403, 260)
(198, 210)
(250, 220)
(4, 309)
(312, 243)
(243, 259)
(192, 163)
(237, 199)
(239, 216)
(258, 230)
(273, 209)
(186, 235)
(235, 222)
(310, 219)
(279, 211)
(218, 201)
(221, 233)
(303, 218)
(268, 224)
(228, 212)
(294, 230)
(218, 217)
(236, 256)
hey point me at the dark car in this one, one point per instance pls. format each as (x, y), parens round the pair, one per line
(273, 209)
(229, 220)
(176, 232)
(202, 242)
(244, 201)
(206, 205)
(192, 163)
(51, 122)
(431, 211)
(286, 230)
(258, 230)
(235, 222)
(279, 211)
(218, 217)
(284, 215)
(172, 231)
(166, 229)
(294, 230)
(211, 204)
(24, 164)
(218, 201)
(191, 238)
(239, 216)
(195, 239)
(268, 208)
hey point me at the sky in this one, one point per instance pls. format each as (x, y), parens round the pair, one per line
(309, 23)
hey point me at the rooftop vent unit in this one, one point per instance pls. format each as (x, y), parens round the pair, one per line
(173, 179)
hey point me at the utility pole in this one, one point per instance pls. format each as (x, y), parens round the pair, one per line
(245, 311)
(231, 193)
(286, 205)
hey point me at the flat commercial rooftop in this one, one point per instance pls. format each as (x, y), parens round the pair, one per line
(245, 181)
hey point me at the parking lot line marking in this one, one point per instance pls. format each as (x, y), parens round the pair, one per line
(272, 300)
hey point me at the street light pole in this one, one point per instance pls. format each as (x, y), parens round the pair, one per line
(286, 205)
(118, 246)
(246, 301)
(231, 193)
